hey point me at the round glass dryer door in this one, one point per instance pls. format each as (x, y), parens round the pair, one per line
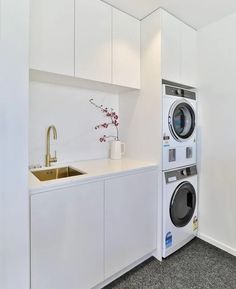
(182, 120)
(182, 204)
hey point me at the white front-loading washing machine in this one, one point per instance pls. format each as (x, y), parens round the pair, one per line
(180, 208)
(179, 127)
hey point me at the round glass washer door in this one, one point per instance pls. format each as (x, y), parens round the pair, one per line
(182, 204)
(182, 120)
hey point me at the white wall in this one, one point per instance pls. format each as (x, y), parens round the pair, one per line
(14, 199)
(68, 108)
(217, 121)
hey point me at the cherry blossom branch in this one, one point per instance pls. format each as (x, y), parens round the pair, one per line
(105, 137)
(110, 113)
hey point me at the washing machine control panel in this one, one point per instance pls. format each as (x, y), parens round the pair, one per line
(180, 174)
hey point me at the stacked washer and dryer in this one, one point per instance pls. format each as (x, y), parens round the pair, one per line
(180, 191)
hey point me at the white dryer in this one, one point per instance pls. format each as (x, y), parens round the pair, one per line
(179, 127)
(180, 209)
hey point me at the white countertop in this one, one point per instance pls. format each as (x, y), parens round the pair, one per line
(94, 169)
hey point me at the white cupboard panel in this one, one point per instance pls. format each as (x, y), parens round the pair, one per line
(52, 36)
(93, 40)
(126, 50)
(67, 235)
(178, 51)
(188, 55)
(130, 220)
(171, 47)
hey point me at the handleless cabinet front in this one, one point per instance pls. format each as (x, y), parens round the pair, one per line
(171, 47)
(52, 36)
(178, 51)
(188, 55)
(130, 219)
(93, 40)
(126, 50)
(67, 238)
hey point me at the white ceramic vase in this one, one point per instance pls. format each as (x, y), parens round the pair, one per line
(117, 149)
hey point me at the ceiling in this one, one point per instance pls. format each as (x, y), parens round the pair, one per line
(196, 13)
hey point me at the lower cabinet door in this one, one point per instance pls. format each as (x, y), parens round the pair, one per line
(130, 219)
(67, 238)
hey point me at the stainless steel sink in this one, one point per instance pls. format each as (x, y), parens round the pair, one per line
(56, 173)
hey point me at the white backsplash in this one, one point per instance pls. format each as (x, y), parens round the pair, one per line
(67, 108)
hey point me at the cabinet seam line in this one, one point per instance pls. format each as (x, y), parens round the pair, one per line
(112, 46)
(74, 36)
(104, 242)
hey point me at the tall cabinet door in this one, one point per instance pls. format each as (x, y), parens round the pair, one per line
(93, 40)
(171, 47)
(67, 238)
(188, 55)
(126, 50)
(179, 47)
(130, 220)
(52, 36)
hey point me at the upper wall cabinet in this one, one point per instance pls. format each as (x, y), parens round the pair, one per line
(52, 36)
(188, 67)
(171, 48)
(126, 50)
(178, 51)
(93, 42)
(87, 39)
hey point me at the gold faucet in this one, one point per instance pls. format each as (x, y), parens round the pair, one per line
(50, 159)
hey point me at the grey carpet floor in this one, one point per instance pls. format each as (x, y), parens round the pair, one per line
(197, 265)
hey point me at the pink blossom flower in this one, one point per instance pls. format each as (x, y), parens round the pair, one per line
(113, 121)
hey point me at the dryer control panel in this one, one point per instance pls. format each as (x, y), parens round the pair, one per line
(175, 91)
